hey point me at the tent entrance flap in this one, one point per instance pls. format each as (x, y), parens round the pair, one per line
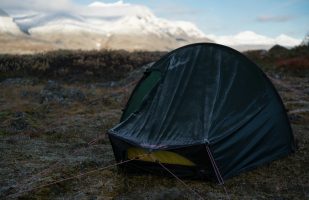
(166, 157)
(140, 92)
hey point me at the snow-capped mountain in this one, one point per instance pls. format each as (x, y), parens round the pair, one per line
(116, 25)
(109, 25)
(14, 40)
(7, 24)
(252, 40)
(45, 20)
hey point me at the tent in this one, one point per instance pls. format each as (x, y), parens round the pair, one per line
(202, 110)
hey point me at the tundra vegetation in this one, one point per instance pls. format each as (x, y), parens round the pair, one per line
(55, 109)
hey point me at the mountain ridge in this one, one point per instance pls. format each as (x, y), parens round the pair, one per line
(140, 30)
(8, 25)
(116, 25)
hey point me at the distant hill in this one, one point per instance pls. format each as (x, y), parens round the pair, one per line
(305, 41)
(278, 51)
(294, 61)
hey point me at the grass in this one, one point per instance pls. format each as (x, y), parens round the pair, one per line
(61, 134)
(57, 144)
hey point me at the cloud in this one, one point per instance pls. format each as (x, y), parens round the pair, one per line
(104, 5)
(271, 18)
(37, 5)
(16, 8)
(98, 8)
(118, 8)
(178, 11)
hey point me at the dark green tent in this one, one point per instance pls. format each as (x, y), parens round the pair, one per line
(201, 110)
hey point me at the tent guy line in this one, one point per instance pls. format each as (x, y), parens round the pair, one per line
(74, 177)
(217, 171)
(181, 181)
(107, 167)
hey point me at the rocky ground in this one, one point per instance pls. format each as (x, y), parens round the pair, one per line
(50, 131)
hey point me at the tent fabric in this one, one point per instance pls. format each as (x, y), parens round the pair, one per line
(213, 95)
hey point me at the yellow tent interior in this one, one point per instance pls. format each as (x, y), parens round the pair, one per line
(166, 157)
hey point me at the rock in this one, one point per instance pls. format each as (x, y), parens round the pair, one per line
(19, 81)
(54, 92)
(29, 94)
(53, 86)
(160, 193)
(19, 122)
(47, 96)
(170, 193)
(293, 117)
(74, 94)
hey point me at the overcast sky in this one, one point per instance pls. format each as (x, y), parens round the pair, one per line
(220, 17)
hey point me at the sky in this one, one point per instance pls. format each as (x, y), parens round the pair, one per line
(229, 17)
